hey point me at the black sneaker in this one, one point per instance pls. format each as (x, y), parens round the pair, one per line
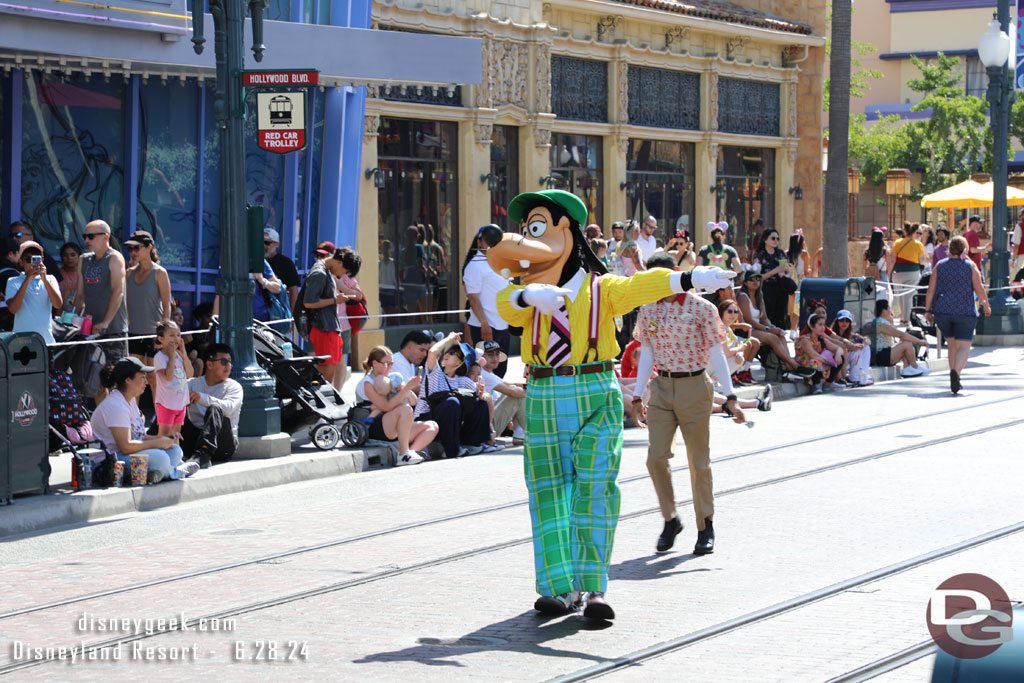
(668, 534)
(705, 540)
(954, 381)
(598, 607)
(805, 371)
(764, 401)
(558, 604)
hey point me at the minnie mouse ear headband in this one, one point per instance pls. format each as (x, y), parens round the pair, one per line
(712, 226)
(882, 229)
(750, 271)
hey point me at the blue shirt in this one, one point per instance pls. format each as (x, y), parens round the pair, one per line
(36, 312)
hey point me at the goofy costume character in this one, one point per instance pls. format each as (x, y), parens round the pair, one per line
(574, 409)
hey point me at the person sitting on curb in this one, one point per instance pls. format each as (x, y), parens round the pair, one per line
(393, 408)
(887, 354)
(118, 423)
(210, 432)
(509, 397)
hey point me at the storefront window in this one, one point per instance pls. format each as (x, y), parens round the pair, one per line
(745, 192)
(168, 169)
(660, 183)
(576, 166)
(505, 173)
(72, 156)
(418, 271)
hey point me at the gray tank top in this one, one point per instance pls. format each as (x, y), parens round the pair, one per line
(145, 308)
(97, 291)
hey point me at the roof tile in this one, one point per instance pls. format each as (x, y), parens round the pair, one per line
(719, 10)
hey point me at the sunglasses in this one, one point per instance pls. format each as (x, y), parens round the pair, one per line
(134, 247)
(17, 234)
(386, 363)
(732, 310)
(756, 278)
(773, 238)
(92, 235)
(454, 352)
(267, 242)
(222, 361)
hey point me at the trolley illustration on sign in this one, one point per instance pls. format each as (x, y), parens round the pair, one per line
(280, 111)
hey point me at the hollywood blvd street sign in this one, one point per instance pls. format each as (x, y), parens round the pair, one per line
(280, 79)
(281, 121)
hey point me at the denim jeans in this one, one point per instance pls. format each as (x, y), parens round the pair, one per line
(164, 460)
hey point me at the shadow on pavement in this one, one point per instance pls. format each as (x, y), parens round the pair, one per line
(526, 632)
(652, 567)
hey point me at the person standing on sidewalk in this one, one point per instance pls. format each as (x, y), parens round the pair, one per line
(950, 305)
(482, 287)
(322, 298)
(683, 335)
(908, 256)
(101, 290)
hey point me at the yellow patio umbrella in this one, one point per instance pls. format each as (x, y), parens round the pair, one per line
(969, 194)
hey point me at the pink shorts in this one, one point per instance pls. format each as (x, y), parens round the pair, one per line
(165, 417)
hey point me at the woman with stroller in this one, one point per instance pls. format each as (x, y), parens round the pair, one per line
(462, 429)
(391, 399)
(118, 423)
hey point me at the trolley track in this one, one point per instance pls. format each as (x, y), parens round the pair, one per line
(742, 621)
(585, 674)
(521, 503)
(887, 663)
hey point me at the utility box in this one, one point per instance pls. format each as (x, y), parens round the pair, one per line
(28, 433)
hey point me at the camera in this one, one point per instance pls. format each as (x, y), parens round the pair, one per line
(37, 260)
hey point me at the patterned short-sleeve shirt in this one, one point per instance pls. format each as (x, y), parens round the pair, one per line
(681, 333)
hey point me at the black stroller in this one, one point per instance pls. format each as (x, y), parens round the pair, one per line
(306, 399)
(82, 361)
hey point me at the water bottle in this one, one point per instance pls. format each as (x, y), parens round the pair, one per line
(87, 325)
(286, 349)
(86, 473)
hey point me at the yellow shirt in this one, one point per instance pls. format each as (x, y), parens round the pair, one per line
(619, 295)
(908, 250)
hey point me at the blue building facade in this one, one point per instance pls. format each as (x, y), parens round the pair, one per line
(113, 119)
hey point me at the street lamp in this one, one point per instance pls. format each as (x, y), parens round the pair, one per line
(897, 187)
(261, 413)
(994, 50)
(852, 189)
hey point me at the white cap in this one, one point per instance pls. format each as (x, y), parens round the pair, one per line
(271, 234)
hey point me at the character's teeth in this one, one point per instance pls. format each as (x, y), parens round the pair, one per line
(506, 273)
(524, 263)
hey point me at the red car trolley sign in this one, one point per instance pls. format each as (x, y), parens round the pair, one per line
(281, 121)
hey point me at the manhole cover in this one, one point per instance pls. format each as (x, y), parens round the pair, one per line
(235, 532)
(475, 641)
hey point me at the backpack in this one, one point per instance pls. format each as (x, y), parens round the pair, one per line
(302, 316)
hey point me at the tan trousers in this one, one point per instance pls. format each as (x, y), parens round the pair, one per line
(683, 403)
(508, 409)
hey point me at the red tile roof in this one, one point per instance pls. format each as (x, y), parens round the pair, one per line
(720, 10)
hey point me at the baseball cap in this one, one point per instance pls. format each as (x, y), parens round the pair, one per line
(324, 249)
(271, 234)
(29, 245)
(128, 366)
(844, 315)
(489, 346)
(975, 219)
(140, 237)
(593, 230)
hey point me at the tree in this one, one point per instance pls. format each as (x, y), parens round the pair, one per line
(834, 258)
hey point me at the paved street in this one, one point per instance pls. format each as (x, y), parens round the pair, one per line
(425, 573)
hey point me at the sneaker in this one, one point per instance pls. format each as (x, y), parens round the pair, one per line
(154, 477)
(558, 604)
(518, 434)
(748, 376)
(764, 401)
(817, 389)
(912, 372)
(954, 381)
(474, 450)
(925, 371)
(866, 382)
(409, 458)
(517, 442)
(737, 379)
(793, 377)
(805, 371)
(841, 384)
(493, 448)
(187, 469)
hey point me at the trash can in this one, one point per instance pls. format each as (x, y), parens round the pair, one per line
(856, 294)
(28, 435)
(5, 451)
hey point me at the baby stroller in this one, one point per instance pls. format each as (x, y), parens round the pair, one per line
(82, 361)
(306, 399)
(71, 431)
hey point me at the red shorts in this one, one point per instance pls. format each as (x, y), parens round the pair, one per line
(326, 344)
(165, 417)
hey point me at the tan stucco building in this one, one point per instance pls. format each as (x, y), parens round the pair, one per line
(691, 113)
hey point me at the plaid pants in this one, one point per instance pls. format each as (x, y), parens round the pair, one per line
(573, 447)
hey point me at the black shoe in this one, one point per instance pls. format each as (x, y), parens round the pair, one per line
(705, 540)
(558, 604)
(954, 381)
(669, 533)
(805, 371)
(598, 608)
(203, 458)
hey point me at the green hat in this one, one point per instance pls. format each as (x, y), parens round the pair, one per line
(572, 204)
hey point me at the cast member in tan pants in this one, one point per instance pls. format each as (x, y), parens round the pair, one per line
(683, 402)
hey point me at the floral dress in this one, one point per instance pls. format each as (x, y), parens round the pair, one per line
(805, 359)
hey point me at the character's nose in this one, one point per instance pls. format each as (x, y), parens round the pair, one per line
(490, 234)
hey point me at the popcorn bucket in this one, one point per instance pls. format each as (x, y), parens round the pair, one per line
(139, 467)
(118, 473)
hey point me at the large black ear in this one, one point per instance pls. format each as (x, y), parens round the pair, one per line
(590, 262)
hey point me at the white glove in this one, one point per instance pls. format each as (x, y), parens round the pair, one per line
(710, 278)
(545, 298)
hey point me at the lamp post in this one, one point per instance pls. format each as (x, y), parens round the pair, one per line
(897, 186)
(261, 414)
(852, 189)
(994, 50)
